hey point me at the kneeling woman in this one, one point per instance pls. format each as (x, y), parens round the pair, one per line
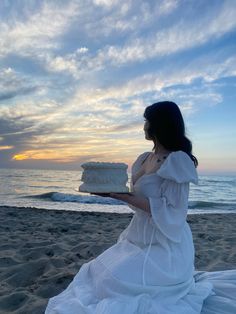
(150, 269)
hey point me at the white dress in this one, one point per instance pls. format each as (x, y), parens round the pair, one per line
(150, 270)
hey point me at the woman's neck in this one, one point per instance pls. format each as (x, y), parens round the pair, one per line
(160, 150)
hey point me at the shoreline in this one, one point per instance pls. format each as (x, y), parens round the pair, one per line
(42, 250)
(190, 211)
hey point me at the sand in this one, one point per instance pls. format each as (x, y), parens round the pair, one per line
(42, 250)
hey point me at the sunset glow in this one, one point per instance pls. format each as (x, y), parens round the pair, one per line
(20, 157)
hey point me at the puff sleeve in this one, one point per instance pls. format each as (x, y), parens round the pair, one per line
(169, 208)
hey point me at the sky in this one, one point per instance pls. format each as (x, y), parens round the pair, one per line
(76, 76)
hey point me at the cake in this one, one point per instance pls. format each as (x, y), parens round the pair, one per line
(104, 177)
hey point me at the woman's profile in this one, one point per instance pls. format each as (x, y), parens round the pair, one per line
(150, 269)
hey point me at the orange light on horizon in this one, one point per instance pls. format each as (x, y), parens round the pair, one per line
(20, 157)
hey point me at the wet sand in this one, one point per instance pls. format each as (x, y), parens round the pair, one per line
(42, 250)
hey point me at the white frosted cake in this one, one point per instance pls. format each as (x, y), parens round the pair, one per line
(104, 177)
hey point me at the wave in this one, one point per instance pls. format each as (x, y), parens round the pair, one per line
(93, 199)
(211, 205)
(231, 182)
(40, 187)
(64, 197)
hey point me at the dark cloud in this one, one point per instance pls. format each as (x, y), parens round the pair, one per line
(13, 133)
(18, 92)
(21, 135)
(12, 126)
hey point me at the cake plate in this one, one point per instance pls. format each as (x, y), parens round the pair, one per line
(104, 192)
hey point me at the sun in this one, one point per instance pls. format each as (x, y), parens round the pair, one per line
(20, 157)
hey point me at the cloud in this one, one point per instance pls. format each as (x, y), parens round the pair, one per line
(69, 63)
(10, 126)
(107, 3)
(40, 35)
(149, 87)
(127, 15)
(168, 6)
(39, 31)
(13, 84)
(176, 38)
(181, 36)
(5, 147)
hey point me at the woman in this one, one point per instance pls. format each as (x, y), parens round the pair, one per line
(150, 270)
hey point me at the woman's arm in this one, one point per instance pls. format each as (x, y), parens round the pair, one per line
(132, 199)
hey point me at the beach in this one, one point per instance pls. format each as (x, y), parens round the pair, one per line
(42, 250)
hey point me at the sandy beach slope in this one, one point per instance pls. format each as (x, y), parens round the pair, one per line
(42, 250)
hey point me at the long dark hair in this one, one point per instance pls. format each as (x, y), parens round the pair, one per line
(166, 124)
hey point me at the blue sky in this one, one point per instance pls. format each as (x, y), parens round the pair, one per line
(76, 76)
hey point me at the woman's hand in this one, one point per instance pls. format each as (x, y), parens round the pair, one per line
(130, 198)
(125, 197)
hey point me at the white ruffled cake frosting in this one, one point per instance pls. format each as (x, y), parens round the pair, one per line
(104, 177)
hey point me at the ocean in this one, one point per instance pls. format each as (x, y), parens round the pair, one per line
(56, 189)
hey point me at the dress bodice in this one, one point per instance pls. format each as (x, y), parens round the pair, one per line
(167, 190)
